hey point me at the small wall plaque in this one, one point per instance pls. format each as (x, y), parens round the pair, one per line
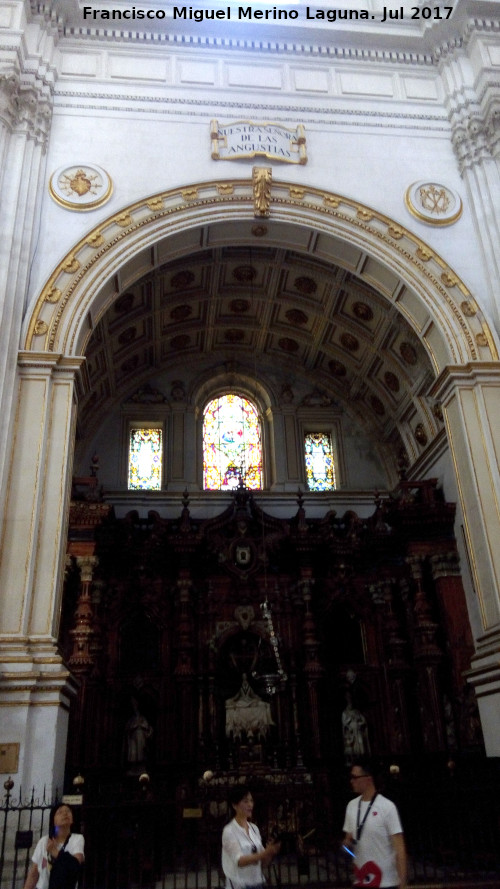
(9, 759)
(246, 139)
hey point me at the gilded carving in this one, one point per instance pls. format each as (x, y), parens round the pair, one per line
(71, 265)
(305, 285)
(364, 215)
(481, 339)
(424, 254)
(262, 177)
(225, 188)
(182, 279)
(468, 308)
(53, 295)
(296, 316)
(288, 345)
(123, 220)
(449, 280)
(331, 201)
(337, 368)
(96, 239)
(395, 232)
(349, 342)
(259, 231)
(408, 353)
(437, 410)
(239, 306)
(362, 311)
(40, 328)
(297, 193)
(155, 204)
(190, 194)
(391, 381)
(420, 434)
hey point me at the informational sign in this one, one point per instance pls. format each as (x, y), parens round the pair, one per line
(246, 139)
(192, 813)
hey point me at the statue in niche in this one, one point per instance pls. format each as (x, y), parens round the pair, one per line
(247, 714)
(354, 731)
(137, 734)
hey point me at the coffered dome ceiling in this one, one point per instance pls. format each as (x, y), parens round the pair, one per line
(285, 318)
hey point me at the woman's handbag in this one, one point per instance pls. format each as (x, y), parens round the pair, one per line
(64, 872)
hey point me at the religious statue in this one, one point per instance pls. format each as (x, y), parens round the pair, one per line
(247, 713)
(355, 731)
(137, 733)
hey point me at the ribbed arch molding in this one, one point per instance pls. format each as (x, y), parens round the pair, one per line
(331, 227)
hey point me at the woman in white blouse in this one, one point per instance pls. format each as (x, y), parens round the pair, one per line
(61, 850)
(243, 852)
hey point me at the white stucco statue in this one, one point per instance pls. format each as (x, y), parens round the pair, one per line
(355, 731)
(246, 712)
(137, 733)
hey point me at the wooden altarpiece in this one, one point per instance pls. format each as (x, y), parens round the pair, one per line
(162, 622)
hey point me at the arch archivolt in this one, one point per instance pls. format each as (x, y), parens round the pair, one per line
(128, 244)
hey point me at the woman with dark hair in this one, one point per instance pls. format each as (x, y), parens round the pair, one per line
(58, 857)
(243, 852)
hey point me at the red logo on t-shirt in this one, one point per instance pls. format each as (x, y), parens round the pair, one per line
(368, 875)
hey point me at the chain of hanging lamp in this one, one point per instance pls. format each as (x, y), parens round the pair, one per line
(269, 682)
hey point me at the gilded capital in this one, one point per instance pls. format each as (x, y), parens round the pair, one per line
(86, 564)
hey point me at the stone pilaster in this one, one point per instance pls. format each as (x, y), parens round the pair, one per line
(25, 120)
(469, 396)
(36, 687)
(473, 114)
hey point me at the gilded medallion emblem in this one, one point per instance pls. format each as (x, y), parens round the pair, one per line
(433, 202)
(80, 187)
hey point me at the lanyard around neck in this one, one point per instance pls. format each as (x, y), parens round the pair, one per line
(359, 827)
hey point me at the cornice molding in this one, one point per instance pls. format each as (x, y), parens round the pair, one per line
(330, 116)
(232, 44)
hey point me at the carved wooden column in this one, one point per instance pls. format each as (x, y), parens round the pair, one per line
(313, 670)
(82, 659)
(184, 671)
(453, 608)
(82, 663)
(428, 657)
(397, 673)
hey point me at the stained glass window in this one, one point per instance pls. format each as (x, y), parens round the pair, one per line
(320, 464)
(145, 459)
(232, 448)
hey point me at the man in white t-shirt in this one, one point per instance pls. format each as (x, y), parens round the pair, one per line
(374, 834)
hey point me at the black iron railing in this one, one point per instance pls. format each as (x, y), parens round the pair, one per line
(452, 829)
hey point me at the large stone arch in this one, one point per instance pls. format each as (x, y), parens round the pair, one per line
(462, 347)
(400, 265)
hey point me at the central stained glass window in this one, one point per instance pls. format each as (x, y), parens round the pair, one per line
(320, 465)
(145, 459)
(232, 444)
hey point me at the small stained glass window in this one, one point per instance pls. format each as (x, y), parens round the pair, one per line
(145, 459)
(320, 464)
(232, 447)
